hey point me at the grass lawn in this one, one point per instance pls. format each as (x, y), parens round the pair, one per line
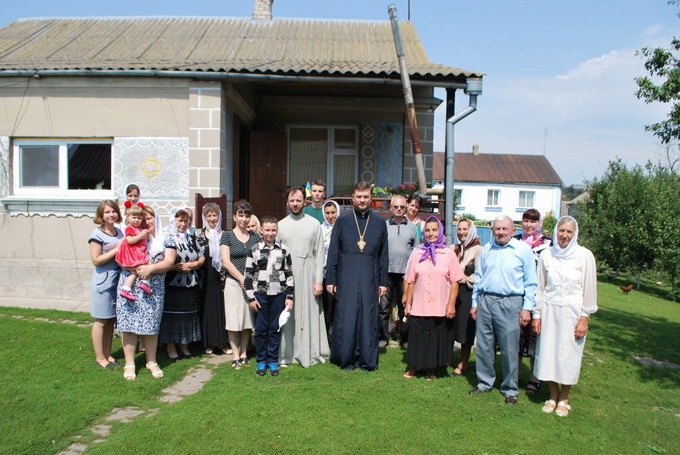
(52, 391)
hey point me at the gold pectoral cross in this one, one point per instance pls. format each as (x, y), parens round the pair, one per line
(361, 243)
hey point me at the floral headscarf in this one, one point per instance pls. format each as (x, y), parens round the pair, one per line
(472, 235)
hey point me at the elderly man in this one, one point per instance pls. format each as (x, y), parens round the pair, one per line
(402, 237)
(502, 299)
(356, 272)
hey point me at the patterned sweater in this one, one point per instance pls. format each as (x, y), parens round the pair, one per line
(269, 271)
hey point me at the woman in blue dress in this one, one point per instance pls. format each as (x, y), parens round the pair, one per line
(103, 248)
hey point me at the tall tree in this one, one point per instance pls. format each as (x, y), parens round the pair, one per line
(615, 217)
(663, 65)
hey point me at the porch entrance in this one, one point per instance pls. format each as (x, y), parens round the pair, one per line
(267, 173)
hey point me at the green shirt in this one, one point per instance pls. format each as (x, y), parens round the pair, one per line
(314, 213)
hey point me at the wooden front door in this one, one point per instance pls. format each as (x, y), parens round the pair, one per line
(267, 173)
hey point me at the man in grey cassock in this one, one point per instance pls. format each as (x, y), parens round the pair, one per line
(304, 338)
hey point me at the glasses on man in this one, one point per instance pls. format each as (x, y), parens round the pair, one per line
(402, 207)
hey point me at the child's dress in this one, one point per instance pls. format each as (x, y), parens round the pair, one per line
(132, 255)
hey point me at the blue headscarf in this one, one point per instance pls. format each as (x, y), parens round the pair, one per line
(431, 248)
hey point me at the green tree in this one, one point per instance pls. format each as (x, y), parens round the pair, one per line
(615, 217)
(663, 65)
(666, 225)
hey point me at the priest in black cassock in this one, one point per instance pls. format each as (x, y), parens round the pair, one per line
(356, 272)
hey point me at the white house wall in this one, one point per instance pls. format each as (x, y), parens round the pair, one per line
(474, 200)
(171, 137)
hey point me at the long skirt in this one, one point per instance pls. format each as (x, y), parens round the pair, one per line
(430, 342)
(214, 333)
(464, 326)
(181, 322)
(238, 314)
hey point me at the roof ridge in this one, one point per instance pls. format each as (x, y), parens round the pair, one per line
(239, 18)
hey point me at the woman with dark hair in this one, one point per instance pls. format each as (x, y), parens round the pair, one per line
(433, 275)
(103, 243)
(235, 245)
(143, 316)
(181, 323)
(214, 274)
(467, 250)
(566, 297)
(532, 224)
(413, 205)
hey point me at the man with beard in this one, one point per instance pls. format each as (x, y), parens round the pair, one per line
(356, 272)
(304, 339)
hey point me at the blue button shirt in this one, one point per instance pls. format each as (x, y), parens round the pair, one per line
(506, 270)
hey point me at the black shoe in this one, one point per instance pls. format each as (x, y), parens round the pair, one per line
(261, 369)
(510, 400)
(477, 390)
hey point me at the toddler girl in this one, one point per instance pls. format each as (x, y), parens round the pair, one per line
(132, 251)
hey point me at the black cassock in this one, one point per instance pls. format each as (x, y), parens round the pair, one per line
(357, 276)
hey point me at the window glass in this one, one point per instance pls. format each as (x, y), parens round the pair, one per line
(492, 197)
(458, 195)
(345, 138)
(308, 155)
(39, 166)
(343, 174)
(526, 198)
(89, 166)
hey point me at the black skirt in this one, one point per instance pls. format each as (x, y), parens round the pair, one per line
(463, 325)
(430, 342)
(181, 322)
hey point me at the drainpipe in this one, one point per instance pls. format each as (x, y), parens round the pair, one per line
(473, 89)
(408, 98)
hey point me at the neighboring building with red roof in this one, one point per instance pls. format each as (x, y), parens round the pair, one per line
(488, 185)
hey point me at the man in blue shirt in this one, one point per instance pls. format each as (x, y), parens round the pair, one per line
(502, 299)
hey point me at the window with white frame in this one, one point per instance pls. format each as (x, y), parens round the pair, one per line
(493, 197)
(458, 197)
(62, 167)
(526, 198)
(326, 152)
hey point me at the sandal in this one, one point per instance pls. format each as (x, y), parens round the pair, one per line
(562, 409)
(458, 371)
(245, 362)
(549, 406)
(411, 373)
(129, 376)
(156, 374)
(236, 365)
(532, 387)
(429, 375)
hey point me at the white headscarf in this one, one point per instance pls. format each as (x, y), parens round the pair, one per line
(157, 244)
(214, 240)
(472, 235)
(171, 229)
(326, 227)
(572, 249)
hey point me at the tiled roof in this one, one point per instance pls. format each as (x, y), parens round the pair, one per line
(498, 168)
(280, 46)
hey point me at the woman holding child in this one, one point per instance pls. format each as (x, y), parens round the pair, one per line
(103, 248)
(235, 246)
(143, 316)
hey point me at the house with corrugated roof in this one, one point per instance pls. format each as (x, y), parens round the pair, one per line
(196, 105)
(492, 184)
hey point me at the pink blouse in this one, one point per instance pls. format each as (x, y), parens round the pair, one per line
(432, 282)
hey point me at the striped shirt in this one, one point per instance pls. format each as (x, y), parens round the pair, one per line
(269, 270)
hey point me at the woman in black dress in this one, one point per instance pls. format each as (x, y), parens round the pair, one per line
(214, 274)
(468, 251)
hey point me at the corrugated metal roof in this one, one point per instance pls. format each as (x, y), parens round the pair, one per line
(279, 46)
(498, 168)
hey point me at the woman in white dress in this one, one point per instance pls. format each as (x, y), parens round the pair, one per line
(567, 296)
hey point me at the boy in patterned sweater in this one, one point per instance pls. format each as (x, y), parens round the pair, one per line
(269, 288)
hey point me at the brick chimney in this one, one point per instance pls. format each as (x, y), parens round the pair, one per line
(475, 149)
(263, 10)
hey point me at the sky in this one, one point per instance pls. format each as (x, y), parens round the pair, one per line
(558, 76)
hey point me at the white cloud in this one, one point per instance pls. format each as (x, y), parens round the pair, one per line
(591, 115)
